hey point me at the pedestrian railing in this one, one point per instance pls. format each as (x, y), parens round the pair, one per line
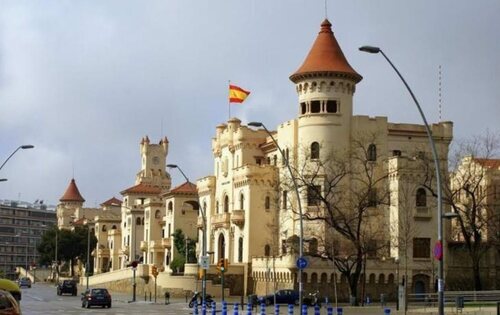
(234, 309)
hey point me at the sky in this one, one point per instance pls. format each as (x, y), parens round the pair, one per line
(84, 81)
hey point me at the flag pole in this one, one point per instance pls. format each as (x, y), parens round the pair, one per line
(229, 99)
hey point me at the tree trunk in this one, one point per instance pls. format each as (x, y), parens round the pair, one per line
(476, 275)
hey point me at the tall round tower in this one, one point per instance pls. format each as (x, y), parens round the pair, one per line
(325, 84)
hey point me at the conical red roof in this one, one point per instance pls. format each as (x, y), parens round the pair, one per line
(72, 193)
(186, 188)
(325, 58)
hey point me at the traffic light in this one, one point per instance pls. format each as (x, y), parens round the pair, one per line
(222, 264)
(154, 271)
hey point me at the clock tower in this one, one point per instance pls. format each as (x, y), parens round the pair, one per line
(153, 164)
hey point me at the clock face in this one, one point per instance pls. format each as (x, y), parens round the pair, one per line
(156, 160)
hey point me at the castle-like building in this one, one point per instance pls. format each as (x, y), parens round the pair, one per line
(248, 208)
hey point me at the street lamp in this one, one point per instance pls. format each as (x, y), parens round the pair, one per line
(301, 229)
(24, 147)
(439, 243)
(87, 265)
(3, 179)
(204, 238)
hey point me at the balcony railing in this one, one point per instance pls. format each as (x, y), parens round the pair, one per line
(166, 242)
(125, 250)
(238, 217)
(144, 246)
(422, 213)
(221, 220)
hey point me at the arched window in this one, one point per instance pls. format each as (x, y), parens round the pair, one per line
(138, 221)
(222, 246)
(142, 221)
(371, 279)
(372, 152)
(314, 150)
(267, 250)
(157, 214)
(381, 278)
(287, 156)
(104, 228)
(170, 206)
(217, 206)
(242, 201)
(226, 204)
(113, 227)
(421, 198)
(267, 203)
(240, 249)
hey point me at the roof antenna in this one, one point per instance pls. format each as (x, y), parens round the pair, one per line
(440, 103)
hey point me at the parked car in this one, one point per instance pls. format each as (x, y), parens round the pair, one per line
(67, 286)
(8, 304)
(282, 297)
(96, 297)
(11, 287)
(24, 282)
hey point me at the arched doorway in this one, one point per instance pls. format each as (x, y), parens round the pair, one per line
(420, 286)
(222, 246)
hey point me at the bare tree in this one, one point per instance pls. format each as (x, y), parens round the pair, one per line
(345, 193)
(471, 194)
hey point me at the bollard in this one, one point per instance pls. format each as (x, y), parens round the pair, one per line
(149, 296)
(340, 311)
(236, 308)
(214, 308)
(290, 309)
(304, 309)
(195, 308)
(249, 308)
(224, 308)
(145, 296)
(316, 309)
(387, 311)
(262, 309)
(329, 310)
(276, 309)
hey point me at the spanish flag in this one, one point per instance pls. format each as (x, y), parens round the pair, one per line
(237, 94)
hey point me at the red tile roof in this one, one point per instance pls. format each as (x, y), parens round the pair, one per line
(186, 188)
(490, 163)
(112, 202)
(72, 193)
(325, 57)
(142, 189)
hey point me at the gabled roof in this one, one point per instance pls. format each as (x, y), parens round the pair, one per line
(142, 189)
(112, 202)
(72, 193)
(489, 163)
(186, 188)
(325, 58)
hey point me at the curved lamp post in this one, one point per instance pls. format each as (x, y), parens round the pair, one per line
(375, 50)
(204, 238)
(24, 147)
(301, 226)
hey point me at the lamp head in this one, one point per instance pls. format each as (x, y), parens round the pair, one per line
(3, 179)
(370, 49)
(255, 124)
(27, 146)
(172, 165)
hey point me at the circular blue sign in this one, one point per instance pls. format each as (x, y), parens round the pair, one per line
(301, 263)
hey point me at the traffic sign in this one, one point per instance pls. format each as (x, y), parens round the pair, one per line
(302, 263)
(438, 250)
(204, 262)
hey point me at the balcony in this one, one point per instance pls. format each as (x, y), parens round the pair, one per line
(103, 252)
(125, 250)
(144, 246)
(238, 217)
(156, 245)
(166, 243)
(221, 220)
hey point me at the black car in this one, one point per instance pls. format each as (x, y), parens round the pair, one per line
(67, 286)
(96, 297)
(282, 297)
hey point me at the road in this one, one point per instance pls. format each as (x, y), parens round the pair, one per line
(41, 298)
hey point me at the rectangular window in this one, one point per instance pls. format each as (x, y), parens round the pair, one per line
(396, 152)
(315, 107)
(313, 195)
(421, 247)
(331, 106)
(285, 197)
